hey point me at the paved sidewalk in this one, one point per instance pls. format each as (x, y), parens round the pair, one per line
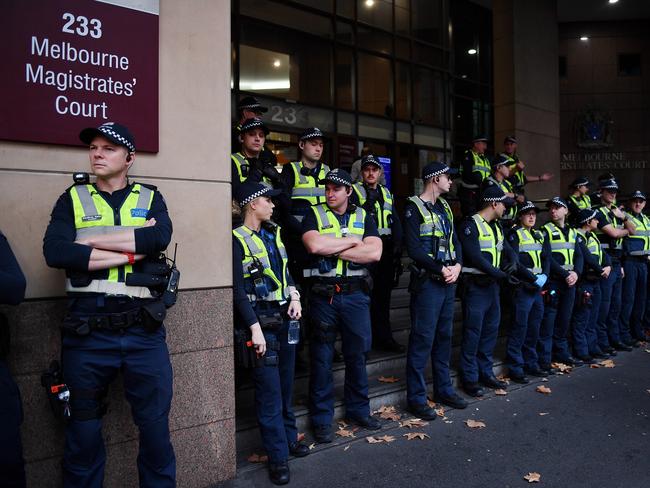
(595, 433)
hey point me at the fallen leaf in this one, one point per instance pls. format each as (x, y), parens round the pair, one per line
(256, 458)
(385, 408)
(533, 477)
(342, 424)
(543, 389)
(440, 412)
(415, 435)
(344, 433)
(500, 392)
(388, 379)
(301, 436)
(410, 423)
(346, 448)
(372, 440)
(388, 413)
(503, 377)
(561, 367)
(376, 440)
(312, 445)
(608, 363)
(431, 403)
(594, 366)
(475, 424)
(543, 413)
(545, 380)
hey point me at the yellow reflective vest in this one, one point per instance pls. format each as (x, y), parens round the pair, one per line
(431, 227)
(531, 245)
(384, 212)
(560, 245)
(306, 187)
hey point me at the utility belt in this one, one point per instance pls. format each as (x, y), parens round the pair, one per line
(150, 316)
(477, 277)
(638, 259)
(245, 355)
(328, 288)
(591, 276)
(419, 276)
(271, 321)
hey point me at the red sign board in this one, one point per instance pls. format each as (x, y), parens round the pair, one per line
(71, 64)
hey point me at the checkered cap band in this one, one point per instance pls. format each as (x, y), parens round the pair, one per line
(337, 179)
(106, 129)
(638, 194)
(495, 199)
(255, 195)
(251, 105)
(587, 219)
(609, 186)
(436, 173)
(557, 201)
(313, 134)
(527, 206)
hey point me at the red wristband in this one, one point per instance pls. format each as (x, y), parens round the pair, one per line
(131, 257)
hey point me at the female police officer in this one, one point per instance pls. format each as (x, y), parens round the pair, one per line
(265, 299)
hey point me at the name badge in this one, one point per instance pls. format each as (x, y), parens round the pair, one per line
(91, 218)
(358, 225)
(139, 212)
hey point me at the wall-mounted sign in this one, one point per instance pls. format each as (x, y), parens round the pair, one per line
(386, 165)
(602, 161)
(70, 64)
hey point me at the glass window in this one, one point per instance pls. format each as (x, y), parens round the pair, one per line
(376, 12)
(428, 55)
(345, 8)
(324, 5)
(344, 32)
(374, 40)
(428, 91)
(402, 91)
(375, 127)
(404, 132)
(426, 20)
(346, 123)
(374, 85)
(344, 76)
(428, 136)
(288, 66)
(467, 88)
(402, 17)
(628, 64)
(276, 13)
(402, 48)
(471, 117)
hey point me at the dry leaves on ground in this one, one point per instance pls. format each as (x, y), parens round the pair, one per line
(388, 413)
(344, 433)
(377, 440)
(475, 424)
(312, 445)
(346, 448)
(500, 392)
(503, 377)
(594, 366)
(543, 389)
(388, 379)
(342, 424)
(431, 403)
(415, 435)
(410, 423)
(608, 363)
(543, 413)
(561, 367)
(533, 477)
(440, 411)
(256, 458)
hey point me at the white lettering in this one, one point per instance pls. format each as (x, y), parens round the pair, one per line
(84, 109)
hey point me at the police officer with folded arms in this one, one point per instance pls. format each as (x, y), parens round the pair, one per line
(474, 168)
(484, 252)
(377, 200)
(636, 252)
(108, 237)
(432, 244)
(267, 310)
(584, 322)
(533, 253)
(560, 293)
(342, 240)
(613, 226)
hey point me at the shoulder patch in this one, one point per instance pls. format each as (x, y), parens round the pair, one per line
(468, 230)
(408, 213)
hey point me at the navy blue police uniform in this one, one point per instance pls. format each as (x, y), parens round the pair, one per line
(431, 243)
(112, 327)
(474, 168)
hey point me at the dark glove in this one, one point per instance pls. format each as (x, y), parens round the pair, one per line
(272, 174)
(512, 280)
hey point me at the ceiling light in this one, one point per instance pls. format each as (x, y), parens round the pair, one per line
(584, 38)
(463, 76)
(276, 63)
(613, 1)
(471, 51)
(370, 3)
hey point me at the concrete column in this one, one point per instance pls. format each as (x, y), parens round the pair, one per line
(192, 171)
(526, 86)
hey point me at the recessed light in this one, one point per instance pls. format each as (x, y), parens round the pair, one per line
(584, 38)
(276, 63)
(471, 51)
(370, 3)
(613, 1)
(463, 76)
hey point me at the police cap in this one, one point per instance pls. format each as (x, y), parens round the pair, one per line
(437, 168)
(494, 193)
(114, 132)
(338, 177)
(638, 195)
(585, 215)
(249, 191)
(311, 133)
(252, 104)
(558, 202)
(253, 124)
(580, 181)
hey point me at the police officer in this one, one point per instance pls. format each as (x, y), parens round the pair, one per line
(528, 307)
(482, 240)
(435, 250)
(247, 108)
(586, 340)
(560, 292)
(12, 292)
(108, 237)
(474, 168)
(499, 177)
(579, 198)
(613, 226)
(377, 200)
(342, 240)
(253, 162)
(636, 251)
(518, 178)
(265, 300)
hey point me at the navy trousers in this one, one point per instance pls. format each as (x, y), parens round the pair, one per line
(273, 378)
(633, 300)
(12, 466)
(481, 317)
(349, 313)
(610, 304)
(92, 362)
(554, 330)
(432, 315)
(583, 312)
(595, 339)
(382, 277)
(528, 310)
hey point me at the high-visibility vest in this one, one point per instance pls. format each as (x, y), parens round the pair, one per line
(432, 226)
(639, 243)
(490, 239)
(610, 218)
(255, 251)
(506, 186)
(518, 178)
(531, 244)
(593, 245)
(94, 216)
(384, 212)
(480, 165)
(240, 160)
(308, 188)
(582, 202)
(560, 245)
(328, 224)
